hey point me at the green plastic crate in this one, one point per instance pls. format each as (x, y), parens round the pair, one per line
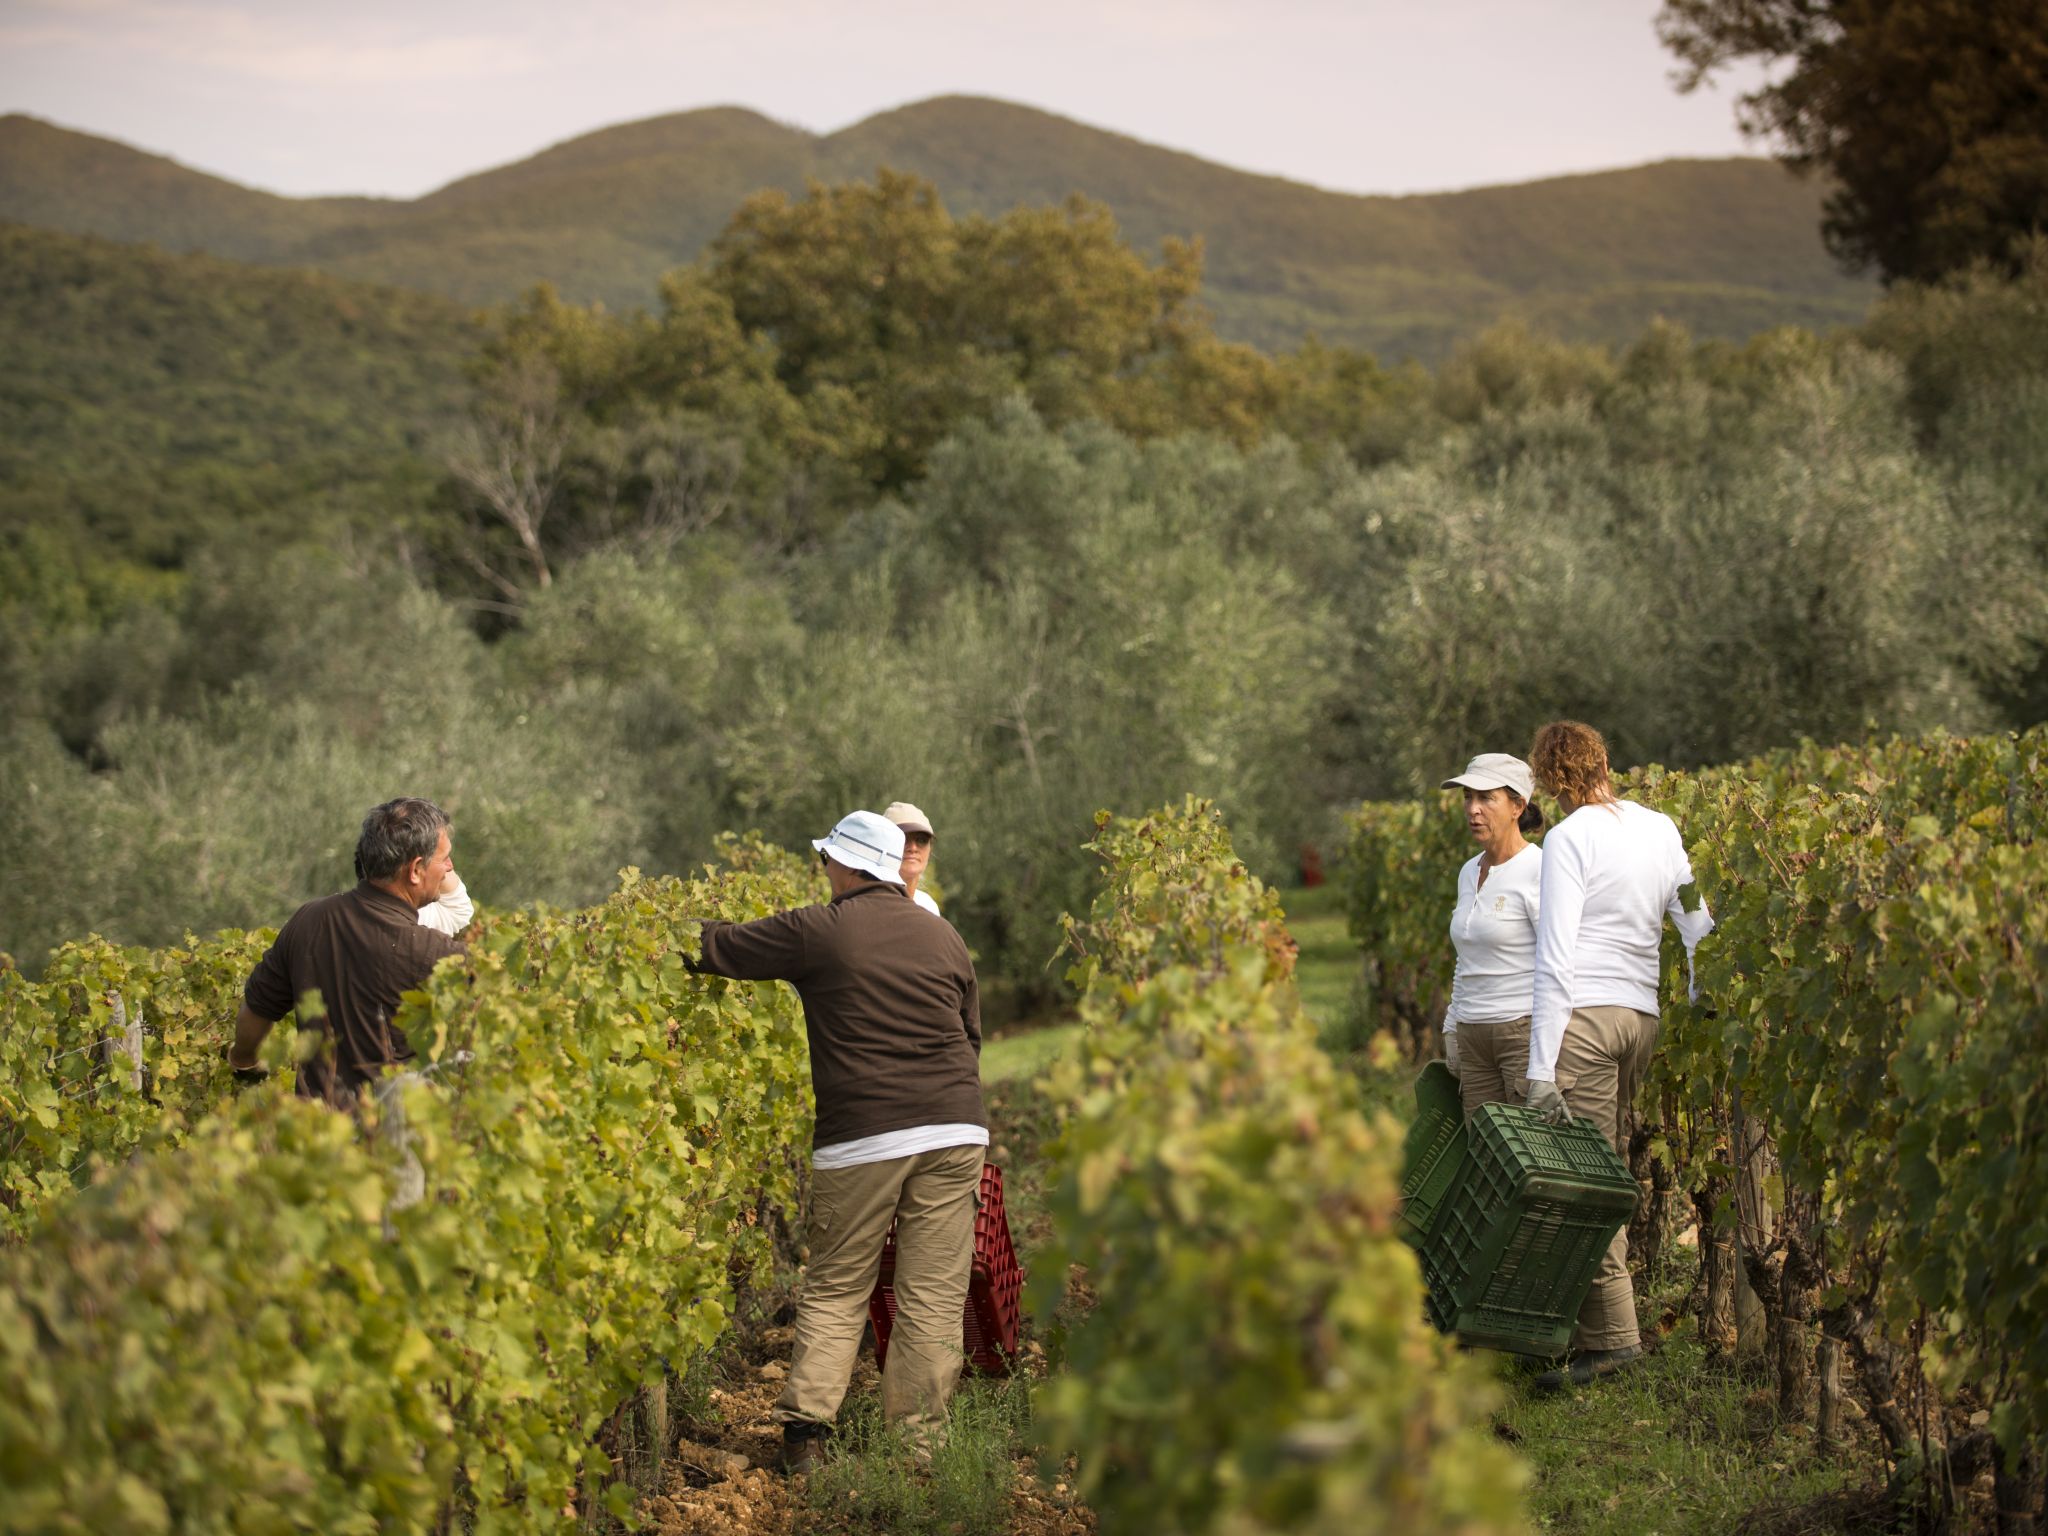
(1434, 1152)
(1513, 1250)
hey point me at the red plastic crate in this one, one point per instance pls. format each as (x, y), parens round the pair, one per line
(995, 1286)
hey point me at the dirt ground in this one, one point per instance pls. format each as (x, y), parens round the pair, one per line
(721, 1476)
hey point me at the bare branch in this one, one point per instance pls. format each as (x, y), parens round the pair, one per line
(509, 456)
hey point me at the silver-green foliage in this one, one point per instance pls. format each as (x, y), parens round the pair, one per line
(1715, 554)
(1713, 550)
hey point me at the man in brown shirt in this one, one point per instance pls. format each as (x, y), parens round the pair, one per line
(893, 1015)
(361, 950)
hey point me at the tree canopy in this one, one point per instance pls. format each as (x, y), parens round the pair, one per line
(1929, 116)
(813, 359)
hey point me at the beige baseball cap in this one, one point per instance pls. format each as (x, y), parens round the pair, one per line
(1493, 770)
(908, 817)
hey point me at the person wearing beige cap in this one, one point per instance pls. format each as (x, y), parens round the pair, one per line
(917, 849)
(1493, 928)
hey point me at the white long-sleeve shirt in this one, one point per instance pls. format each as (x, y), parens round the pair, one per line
(449, 914)
(1493, 928)
(1611, 875)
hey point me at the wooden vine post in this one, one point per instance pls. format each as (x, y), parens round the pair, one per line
(410, 1186)
(1757, 1267)
(124, 1041)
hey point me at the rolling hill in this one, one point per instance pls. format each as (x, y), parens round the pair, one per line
(1726, 246)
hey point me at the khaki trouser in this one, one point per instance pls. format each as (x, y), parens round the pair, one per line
(1600, 1064)
(1493, 1061)
(930, 1196)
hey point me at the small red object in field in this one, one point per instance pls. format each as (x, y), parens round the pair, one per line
(1311, 864)
(995, 1287)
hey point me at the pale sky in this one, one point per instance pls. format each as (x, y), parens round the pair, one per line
(397, 97)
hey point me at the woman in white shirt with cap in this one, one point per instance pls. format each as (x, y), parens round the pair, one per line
(917, 849)
(1493, 927)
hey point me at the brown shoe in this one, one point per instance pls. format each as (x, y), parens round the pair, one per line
(803, 1448)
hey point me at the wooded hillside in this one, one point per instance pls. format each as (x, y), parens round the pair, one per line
(1726, 247)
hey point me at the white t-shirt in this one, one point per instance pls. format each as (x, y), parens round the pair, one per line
(904, 1143)
(449, 914)
(1611, 875)
(1494, 930)
(926, 902)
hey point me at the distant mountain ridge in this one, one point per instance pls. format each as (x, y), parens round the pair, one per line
(1727, 247)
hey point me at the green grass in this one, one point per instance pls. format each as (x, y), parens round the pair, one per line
(1328, 972)
(1025, 1053)
(1327, 968)
(1677, 1446)
(1020, 1122)
(878, 1477)
(1325, 971)
(1674, 1447)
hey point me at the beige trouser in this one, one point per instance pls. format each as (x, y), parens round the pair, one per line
(1600, 1064)
(1493, 1060)
(930, 1197)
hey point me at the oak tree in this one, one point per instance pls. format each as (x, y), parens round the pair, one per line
(1929, 116)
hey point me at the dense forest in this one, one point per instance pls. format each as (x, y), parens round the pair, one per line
(880, 501)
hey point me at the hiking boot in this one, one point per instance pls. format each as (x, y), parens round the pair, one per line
(1587, 1367)
(803, 1448)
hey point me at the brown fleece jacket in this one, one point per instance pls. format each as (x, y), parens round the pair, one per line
(890, 1004)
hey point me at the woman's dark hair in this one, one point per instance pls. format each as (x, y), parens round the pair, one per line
(1531, 819)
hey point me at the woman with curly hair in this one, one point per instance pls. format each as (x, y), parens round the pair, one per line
(1612, 871)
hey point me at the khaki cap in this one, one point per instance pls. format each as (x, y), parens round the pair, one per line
(908, 817)
(1492, 770)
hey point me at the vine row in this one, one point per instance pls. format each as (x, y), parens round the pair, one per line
(1869, 1043)
(246, 1312)
(1255, 1355)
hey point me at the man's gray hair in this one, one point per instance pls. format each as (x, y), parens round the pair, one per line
(397, 832)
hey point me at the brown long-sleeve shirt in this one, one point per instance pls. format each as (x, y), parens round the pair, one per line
(891, 1007)
(361, 950)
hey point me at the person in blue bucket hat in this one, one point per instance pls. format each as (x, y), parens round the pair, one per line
(893, 1013)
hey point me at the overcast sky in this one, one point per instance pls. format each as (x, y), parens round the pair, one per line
(400, 96)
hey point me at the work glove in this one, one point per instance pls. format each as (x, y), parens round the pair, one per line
(1451, 1050)
(1547, 1100)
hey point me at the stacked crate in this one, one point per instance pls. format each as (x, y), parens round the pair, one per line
(1435, 1152)
(995, 1286)
(1510, 1216)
